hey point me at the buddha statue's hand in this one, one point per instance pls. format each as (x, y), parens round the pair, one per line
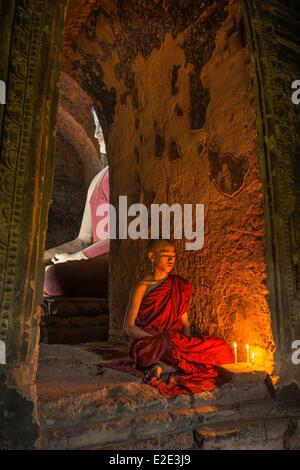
(63, 257)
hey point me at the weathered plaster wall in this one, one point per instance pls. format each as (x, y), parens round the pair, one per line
(174, 84)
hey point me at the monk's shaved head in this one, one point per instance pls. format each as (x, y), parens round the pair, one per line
(158, 244)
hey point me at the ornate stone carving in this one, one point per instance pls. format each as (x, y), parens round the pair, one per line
(32, 76)
(273, 30)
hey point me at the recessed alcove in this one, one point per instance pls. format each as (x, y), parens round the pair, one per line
(72, 316)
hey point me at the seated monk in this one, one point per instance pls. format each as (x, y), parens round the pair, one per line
(157, 320)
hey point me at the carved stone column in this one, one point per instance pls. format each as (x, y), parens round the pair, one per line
(273, 30)
(31, 39)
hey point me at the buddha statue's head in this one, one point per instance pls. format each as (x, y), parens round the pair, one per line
(99, 137)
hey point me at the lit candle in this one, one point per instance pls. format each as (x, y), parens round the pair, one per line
(252, 358)
(235, 352)
(248, 352)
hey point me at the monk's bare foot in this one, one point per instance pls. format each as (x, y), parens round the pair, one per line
(172, 379)
(167, 368)
(154, 373)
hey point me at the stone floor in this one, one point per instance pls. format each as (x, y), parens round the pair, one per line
(82, 409)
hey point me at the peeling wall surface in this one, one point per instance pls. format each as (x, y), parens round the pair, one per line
(174, 87)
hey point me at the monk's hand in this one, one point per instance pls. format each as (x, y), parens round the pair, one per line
(63, 257)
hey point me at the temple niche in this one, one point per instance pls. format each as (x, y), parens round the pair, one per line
(193, 110)
(66, 319)
(76, 162)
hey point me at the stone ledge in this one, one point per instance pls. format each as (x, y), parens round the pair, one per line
(78, 408)
(259, 433)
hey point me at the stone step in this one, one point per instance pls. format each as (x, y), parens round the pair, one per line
(127, 398)
(174, 441)
(107, 432)
(128, 428)
(75, 306)
(280, 434)
(74, 320)
(104, 431)
(79, 321)
(73, 334)
(79, 408)
(259, 433)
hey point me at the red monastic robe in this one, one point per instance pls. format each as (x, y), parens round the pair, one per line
(197, 359)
